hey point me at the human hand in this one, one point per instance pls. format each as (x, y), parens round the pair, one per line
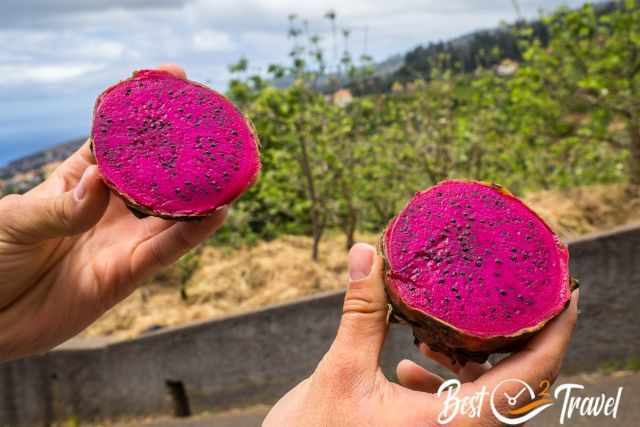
(348, 387)
(70, 250)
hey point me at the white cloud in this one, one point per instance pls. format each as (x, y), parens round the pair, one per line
(46, 73)
(103, 49)
(212, 41)
(43, 45)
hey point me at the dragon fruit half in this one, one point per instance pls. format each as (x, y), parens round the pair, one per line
(473, 270)
(171, 147)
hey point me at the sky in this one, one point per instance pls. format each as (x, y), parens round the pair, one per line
(58, 55)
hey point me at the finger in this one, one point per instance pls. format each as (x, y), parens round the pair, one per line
(541, 358)
(469, 372)
(35, 218)
(174, 69)
(364, 317)
(472, 371)
(154, 225)
(67, 175)
(415, 377)
(164, 248)
(440, 358)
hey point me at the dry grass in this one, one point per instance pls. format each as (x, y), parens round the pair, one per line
(578, 211)
(278, 271)
(231, 282)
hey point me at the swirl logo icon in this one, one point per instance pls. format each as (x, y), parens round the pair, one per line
(514, 415)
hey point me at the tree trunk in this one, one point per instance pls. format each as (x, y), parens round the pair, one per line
(350, 221)
(350, 224)
(351, 231)
(317, 223)
(317, 236)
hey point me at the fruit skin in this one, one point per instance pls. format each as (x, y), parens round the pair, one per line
(460, 346)
(141, 209)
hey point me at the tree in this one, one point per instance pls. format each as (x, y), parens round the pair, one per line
(589, 75)
(568, 116)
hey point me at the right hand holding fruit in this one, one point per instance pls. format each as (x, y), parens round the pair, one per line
(348, 387)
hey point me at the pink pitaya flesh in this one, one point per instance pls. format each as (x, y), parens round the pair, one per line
(172, 147)
(473, 270)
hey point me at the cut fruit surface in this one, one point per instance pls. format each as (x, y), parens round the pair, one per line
(473, 269)
(171, 147)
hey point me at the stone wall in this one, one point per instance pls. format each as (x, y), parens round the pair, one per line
(256, 357)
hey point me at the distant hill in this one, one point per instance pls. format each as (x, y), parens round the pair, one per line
(482, 48)
(327, 83)
(39, 159)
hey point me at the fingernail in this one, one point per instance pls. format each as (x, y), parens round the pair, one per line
(360, 261)
(81, 189)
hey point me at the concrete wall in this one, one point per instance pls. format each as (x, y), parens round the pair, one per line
(256, 357)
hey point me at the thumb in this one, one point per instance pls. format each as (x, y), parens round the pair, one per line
(32, 219)
(363, 326)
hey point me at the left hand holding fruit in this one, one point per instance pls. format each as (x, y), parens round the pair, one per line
(70, 250)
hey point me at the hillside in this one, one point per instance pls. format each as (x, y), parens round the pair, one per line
(39, 159)
(232, 281)
(482, 48)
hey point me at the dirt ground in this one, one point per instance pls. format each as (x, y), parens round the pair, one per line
(232, 281)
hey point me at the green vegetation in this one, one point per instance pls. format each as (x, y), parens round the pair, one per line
(568, 116)
(610, 366)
